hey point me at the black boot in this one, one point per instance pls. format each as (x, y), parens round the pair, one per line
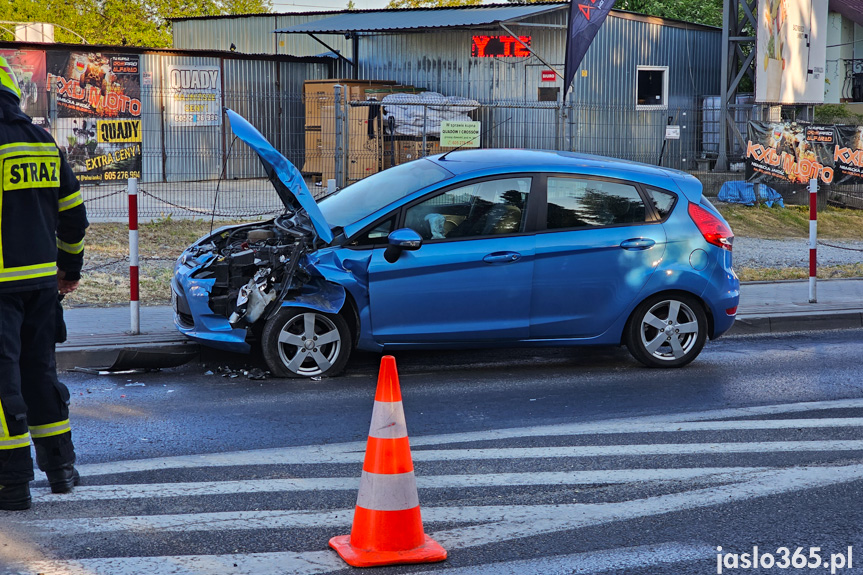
(64, 479)
(15, 497)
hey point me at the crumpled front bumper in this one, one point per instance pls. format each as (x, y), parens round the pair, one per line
(193, 317)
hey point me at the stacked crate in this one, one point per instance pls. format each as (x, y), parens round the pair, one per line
(400, 149)
(369, 150)
(363, 145)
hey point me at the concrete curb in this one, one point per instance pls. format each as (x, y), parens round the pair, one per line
(106, 354)
(788, 322)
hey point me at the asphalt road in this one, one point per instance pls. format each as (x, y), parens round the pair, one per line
(546, 462)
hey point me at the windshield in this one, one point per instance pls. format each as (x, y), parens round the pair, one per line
(368, 195)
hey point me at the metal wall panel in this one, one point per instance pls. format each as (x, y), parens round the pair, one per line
(251, 90)
(190, 152)
(151, 118)
(601, 114)
(253, 34)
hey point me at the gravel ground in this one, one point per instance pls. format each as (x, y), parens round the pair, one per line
(760, 253)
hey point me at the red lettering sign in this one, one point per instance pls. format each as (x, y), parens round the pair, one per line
(499, 47)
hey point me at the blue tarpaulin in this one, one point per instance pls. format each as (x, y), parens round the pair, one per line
(744, 193)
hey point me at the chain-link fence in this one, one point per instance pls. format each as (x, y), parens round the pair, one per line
(190, 165)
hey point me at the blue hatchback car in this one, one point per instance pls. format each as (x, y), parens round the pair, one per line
(478, 248)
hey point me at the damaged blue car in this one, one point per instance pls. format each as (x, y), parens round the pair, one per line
(471, 248)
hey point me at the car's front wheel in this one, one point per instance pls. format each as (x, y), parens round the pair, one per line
(667, 331)
(299, 342)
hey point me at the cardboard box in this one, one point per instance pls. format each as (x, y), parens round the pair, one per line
(363, 152)
(318, 93)
(314, 160)
(408, 150)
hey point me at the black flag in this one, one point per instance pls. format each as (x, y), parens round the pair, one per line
(585, 18)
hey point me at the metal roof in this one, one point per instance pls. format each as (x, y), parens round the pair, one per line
(852, 9)
(386, 20)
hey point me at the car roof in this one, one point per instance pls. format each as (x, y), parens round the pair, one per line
(466, 161)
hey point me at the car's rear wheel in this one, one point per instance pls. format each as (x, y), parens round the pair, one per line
(667, 331)
(299, 342)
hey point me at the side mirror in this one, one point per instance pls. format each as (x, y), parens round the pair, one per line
(401, 240)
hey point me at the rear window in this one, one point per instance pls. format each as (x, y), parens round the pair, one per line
(579, 203)
(663, 202)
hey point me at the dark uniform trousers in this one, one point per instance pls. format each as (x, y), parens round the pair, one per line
(28, 377)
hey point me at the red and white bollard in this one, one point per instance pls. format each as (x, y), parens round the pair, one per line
(135, 304)
(813, 233)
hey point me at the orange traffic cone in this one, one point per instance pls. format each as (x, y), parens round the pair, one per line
(387, 525)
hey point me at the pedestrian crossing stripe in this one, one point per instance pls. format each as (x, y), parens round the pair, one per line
(457, 527)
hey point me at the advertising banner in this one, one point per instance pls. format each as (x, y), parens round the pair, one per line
(585, 20)
(195, 95)
(848, 155)
(101, 150)
(790, 152)
(98, 113)
(29, 68)
(791, 51)
(459, 134)
(95, 84)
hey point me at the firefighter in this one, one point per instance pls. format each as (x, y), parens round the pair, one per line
(42, 225)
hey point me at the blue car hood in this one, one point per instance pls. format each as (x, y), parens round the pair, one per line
(283, 174)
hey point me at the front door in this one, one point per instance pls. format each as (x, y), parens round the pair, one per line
(470, 281)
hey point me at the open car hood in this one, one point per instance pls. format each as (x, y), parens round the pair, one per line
(286, 178)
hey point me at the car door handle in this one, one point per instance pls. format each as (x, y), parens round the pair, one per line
(501, 257)
(637, 244)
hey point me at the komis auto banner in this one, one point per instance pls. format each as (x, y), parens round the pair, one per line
(796, 152)
(98, 113)
(95, 84)
(790, 152)
(848, 155)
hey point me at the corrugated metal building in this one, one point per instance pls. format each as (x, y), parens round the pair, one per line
(432, 49)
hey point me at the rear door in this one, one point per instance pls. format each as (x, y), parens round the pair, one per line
(601, 245)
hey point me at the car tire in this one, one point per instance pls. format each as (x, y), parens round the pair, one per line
(293, 347)
(666, 330)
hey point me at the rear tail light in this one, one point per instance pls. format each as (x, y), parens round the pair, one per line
(712, 227)
(731, 311)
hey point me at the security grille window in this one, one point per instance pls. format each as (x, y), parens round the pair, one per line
(488, 208)
(651, 91)
(548, 94)
(577, 203)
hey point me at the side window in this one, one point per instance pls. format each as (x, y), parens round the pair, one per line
(663, 201)
(376, 235)
(581, 203)
(651, 88)
(488, 208)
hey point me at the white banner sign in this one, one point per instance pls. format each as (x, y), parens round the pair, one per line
(194, 95)
(791, 51)
(459, 134)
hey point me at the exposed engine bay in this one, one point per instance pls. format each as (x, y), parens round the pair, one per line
(254, 266)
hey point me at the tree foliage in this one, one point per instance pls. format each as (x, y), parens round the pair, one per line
(700, 11)
(431, 3)
(119, 22)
